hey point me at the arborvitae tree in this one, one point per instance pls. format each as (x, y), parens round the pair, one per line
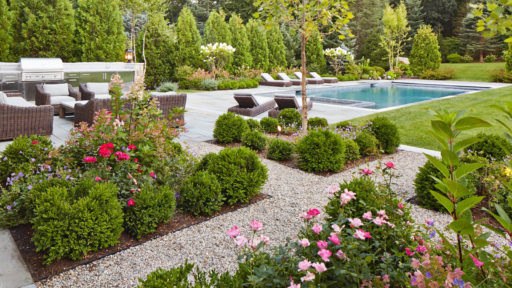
(367, 18)
(372, 50)
(291, 40)
(216, 30)
(239, 40)
(43, 28)
(5, 32)
(425, 53)
(259, 47)
(415, 18)
(315, 55)
(244, 8)
(188, 40)
(100, 31)
(276, 48)
(440, 14)
(159, 50)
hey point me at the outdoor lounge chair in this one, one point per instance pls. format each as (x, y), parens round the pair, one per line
(326, 79)
(248, 106)
(55, 94)
(19, 117)
(269, 81)
(90, 91)
(309, 80)
(284, 76)
(286, 101)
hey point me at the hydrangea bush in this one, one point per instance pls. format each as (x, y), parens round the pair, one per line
(217, 54)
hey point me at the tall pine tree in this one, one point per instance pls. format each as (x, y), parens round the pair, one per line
(242, 56)
(415, 18)
(315, 55)
(367, 20)
(188, 40)
(276, 48)
(5, 32)
(43, 28)
(100, 32)
(259, 46)
(216, 30)
(440, 15)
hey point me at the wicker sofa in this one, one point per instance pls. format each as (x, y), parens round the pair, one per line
(19, 117)
(55, 94)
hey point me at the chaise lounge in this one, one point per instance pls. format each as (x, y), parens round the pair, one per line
(55, 94)
(248, 106)
(269, 81)
(287, 101)
(326, 79)
(284, 76)
(309, 80)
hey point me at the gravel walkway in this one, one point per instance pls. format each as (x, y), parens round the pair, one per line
(208, 246)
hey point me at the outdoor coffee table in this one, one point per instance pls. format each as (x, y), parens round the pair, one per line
(69, 107)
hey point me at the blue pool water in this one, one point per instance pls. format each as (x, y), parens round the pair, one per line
(380, 96)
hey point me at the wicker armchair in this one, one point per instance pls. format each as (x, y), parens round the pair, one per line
(17, 120)
(86, 112)
(44, 98)
(170, 100)
(88, 94)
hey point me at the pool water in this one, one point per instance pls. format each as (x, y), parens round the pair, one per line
(381, 96)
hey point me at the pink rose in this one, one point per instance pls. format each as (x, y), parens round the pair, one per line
(317, 228)
(324, 254)
(361, 234)
(304, 265)
(390, 164)
(153, 175)
(421, 249)
(322, 244)
(366, 171)
(308, 278)
(368, 215)
(233, 232)
(340, 254)
(97, 179)
(347, 196)
(356, 222)
(334, 239)
(132, 147)
(337, 228)
(319, 267)
(130, 202)
(256, 225)
(240, 241)
(401, 205)
(265, 239)
(304, 242)
(313, 212)
(90, 159)
(379, 221)
(333, 189)
(409, 252)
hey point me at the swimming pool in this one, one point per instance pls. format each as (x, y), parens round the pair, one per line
(378, 96)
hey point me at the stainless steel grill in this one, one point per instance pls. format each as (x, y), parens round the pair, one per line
(41, 69)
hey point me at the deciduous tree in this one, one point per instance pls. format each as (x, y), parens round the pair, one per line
(396, 30)
(5, 32)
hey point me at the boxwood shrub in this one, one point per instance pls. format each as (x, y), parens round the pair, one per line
(290, 117)
(386, 133)
(253, 124)
(254, 140)
(317, 122)
(321, 151)
(342, 125)
(367, 143)
(491, 147)
(351, 150)
(229, 128)
(200, 194)
(280, 150)
(240, 173)
(423, 183)
(269, 124)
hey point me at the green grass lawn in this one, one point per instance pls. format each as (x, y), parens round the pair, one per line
(479, 72)
(414, 121)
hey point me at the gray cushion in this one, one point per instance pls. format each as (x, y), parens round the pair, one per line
(98, 88)
(267, 77)
(3, 98)
(315, 75)
(284, 76)
(102, 96)
(298, 75)
(19, 101)
(56, 100)
(56, 89)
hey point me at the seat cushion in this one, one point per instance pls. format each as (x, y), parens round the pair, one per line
(169, 93)
(19, 101)
(98, 88)
(3, 98)
(57, 100)
(102, 96)
(56, 89)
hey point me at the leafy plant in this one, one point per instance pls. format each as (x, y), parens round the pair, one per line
(229, 128)
(254, 140)
(351, 150)
(209, 84)
(454, 58)
(440, 74)
(167, 86)
(425, 53)
(321, 151)
(386, 133)
(254, 125)
(491, 147)
(317, 122)
(201, 194)
(290, 117)
(367, 142)
(280, 150)
(269, 124)
(424, 183)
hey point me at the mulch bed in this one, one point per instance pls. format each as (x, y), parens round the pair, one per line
(22, 235)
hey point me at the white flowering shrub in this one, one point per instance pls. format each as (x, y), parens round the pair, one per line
(217, 54)
(337, 57)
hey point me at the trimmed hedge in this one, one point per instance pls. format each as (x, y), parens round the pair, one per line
(351, 150)
(254, 140)
(229, 128)
(491, 147)
(367, 142)
(201, 194)
(321, 151)
(317, 122)
(253, 124)
(269, 124)
(290, 117)
(280, 150)
(424, 183)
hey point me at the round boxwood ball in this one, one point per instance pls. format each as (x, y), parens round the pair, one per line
(321, 151)
(229, 128)
(254, 140)
(290, 117)
(367, 143)
(201, 194)
(386, 132)
(269, 124)
(280, 150)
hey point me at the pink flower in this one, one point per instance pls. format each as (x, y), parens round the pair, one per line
(477, 262)
(293, 285)
(240, 241)
(409, 252)
(304, 265)
(379, 221)
(233, 232)
(130, 202)
(265, 239)
(334, 239)
(390, 224)
(340, 254)
(347, 196)
(319, 267)
(324, 254)
(337, 228)
(421, 249)
(97, 179)
(308, 278)
(254, 243)
(390, 164)
(399, 212)
(322, 244)
(313, 212)
(367, 215)
(415, 263)
(35, 142)
(132, 147)
(401, 205)
(152, 174)
(317, 228)
(90, 159)
(333, 189)
(256, 225)
(429, 222)
(361, 234)
(382, 213)
(356, 222)
(366, 171)
(304, 242)
(121, 156)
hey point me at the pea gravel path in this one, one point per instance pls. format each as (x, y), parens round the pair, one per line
(208, 246)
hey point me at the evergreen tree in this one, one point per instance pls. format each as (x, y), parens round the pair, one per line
(276, 48)
(43, 28)
(100, 32)
(315, 54)
(5, 32)
(291, 41)
(216, 30)
(188, 40)
(242, 56)
(440, 14)
(425, 53)
(159, 50)
(244, 8)
(259, 46)
(415, 18)
(367, 19)
(372, 50)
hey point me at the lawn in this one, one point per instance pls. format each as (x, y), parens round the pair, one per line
(479, 72)
(414, 121)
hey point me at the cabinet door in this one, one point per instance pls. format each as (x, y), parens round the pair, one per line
(86, 77)
(126, 76)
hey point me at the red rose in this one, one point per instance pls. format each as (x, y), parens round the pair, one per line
(130, 202)
(35, 142)
(90, 159)
(152, 174)
(132, 147)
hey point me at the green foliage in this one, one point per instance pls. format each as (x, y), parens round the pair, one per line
(258, 45)
(342, 125)
(425, 53)
(216, 30)
(439, 74)
(228, 84)
(184, 72)
(280, 150)
(6, 42)
(291, 40)
(395, 32)
(502, 76)
(490, 58)
(448, 46)
(201, 194)
(229, 128)
(492, 147)
(290, 117)
(242, 56)
(372, 50)
(317, 122)
(240, 173)
(351, 149)
(209, 84)
(454, 58)
(188, 40)
(153, 205)
(43, 28)
(386, 133)
(508, 59)
(269, 124)
(467, 59)
(315, 54)
(321, 151)
(440, 14)
(71, 222)
(367, 142)
(167, 87)
(206, 161)
(253, 124)
(276, 48)
(254, 140)
(100, 31)
(423, 183)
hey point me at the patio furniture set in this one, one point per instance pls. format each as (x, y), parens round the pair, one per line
(20, 117)
(286, 81)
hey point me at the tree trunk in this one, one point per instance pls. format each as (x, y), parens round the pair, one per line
(481, 56)
(303, 70)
